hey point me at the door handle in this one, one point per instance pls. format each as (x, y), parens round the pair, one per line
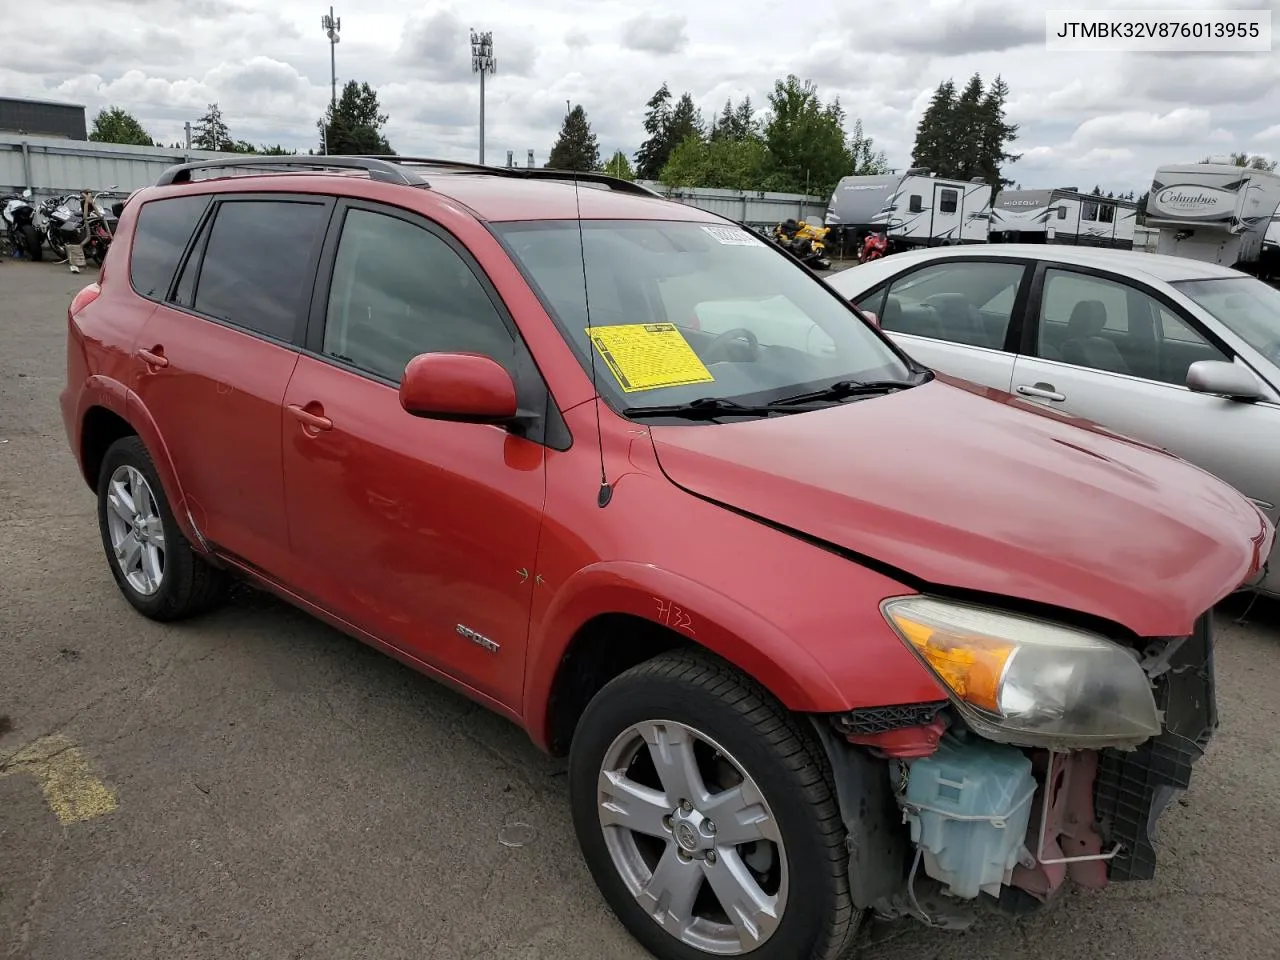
(154, 358)
(1042, 391)
(313, 420)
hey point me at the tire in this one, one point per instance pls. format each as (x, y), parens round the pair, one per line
(31, 242)
(740, 726)
(56, 244)
(187, 584)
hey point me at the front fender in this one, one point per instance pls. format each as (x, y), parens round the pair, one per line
(694, 610)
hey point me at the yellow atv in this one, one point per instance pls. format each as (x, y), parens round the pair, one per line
(805, 241)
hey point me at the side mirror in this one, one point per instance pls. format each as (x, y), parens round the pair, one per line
(1223, 378)
(463, 387)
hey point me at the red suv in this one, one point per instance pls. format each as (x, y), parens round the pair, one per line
(820, 632)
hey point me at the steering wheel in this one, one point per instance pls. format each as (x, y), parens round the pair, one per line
(721, 343)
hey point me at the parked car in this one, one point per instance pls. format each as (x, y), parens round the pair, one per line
(768, 598)
(1176, 352)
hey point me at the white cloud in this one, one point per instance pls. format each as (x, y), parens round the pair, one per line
(655, 33)
(1095, 118)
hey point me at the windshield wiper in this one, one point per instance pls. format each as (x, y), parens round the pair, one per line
(843, 389)
(708, 408)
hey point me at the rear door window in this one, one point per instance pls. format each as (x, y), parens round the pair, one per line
(259, 264)
(163, 229)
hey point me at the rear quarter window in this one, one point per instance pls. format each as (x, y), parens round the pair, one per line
(163, 229)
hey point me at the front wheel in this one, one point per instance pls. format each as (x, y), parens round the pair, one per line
(706, 815)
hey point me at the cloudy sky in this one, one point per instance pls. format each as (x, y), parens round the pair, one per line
(1107, 118)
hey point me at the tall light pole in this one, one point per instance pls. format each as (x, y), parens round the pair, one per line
(331, 25)
(482, 62)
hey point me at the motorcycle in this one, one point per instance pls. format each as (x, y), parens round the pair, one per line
(805, 241)
(875, 246)
(20, 228)
(81, 218)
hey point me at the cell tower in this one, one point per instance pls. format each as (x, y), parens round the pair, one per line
(482, 62)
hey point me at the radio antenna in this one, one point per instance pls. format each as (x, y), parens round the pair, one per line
(606, 491)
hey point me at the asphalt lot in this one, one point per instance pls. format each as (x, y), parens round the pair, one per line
(255, 785)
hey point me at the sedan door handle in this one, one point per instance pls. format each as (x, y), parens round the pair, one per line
(1042, 391)
(313, 420)
(153, 358)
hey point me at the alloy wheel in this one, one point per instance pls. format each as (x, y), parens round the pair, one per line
(693, 838)
(136, 529)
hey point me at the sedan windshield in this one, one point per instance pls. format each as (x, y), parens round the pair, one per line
(684, 311)
(1247, 307)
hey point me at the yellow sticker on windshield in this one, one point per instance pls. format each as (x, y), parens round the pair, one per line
(648, 356)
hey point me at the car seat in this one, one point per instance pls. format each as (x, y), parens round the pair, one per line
(1084, 344)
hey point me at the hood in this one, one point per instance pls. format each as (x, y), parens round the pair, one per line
(973, 489)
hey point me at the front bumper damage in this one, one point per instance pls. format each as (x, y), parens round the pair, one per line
(948, 833)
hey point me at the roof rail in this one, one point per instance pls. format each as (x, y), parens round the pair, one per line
(527, 173)
(378, 168)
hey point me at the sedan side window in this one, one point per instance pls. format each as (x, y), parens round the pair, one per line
(399, 290)
(1107, 325)
(961, 302)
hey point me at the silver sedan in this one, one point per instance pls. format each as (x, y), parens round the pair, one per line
(1178, 353)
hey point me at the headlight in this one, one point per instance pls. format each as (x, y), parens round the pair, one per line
(1030, 682)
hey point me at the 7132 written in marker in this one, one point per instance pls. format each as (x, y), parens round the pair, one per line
(1157, 31)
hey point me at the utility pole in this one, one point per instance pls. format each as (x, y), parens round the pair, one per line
(331, 26)
(482, 62)
(188, 127)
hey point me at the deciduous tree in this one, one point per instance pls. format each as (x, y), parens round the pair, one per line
(117, 125)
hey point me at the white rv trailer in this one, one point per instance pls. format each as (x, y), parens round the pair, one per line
(1064, 215)
(913, 209)
(1216, 212)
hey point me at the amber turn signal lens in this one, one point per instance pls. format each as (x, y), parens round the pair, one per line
(971, 666)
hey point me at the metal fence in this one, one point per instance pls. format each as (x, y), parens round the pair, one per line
(50, 165)
(754, 208)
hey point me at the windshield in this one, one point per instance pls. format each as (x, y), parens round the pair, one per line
(683, 311)
(1247, 307)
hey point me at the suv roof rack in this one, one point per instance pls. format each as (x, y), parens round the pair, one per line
(525, 173)
(378, 168)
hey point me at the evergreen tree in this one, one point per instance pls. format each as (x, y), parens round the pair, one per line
(864, 158)
(211, 133)
(117, 125)
(967, 127)
(933, 133)
(653, 153)
(355, 127)
(965, 136)
(685, 121)
(576, 148)
(997, 134)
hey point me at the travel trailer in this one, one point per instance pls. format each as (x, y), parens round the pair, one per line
(1064, 215)
(913, 209)
(1216, 212)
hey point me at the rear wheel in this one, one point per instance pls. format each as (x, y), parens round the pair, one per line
(706, 815)
(152, 562)
(30, 238)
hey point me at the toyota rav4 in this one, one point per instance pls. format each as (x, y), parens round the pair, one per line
(820, 632)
